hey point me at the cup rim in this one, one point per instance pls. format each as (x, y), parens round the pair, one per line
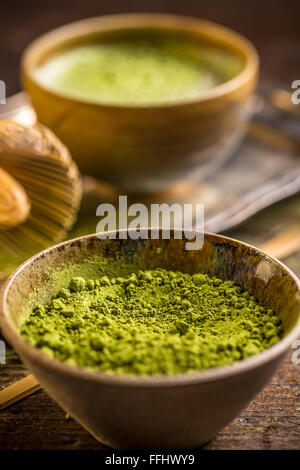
(88, 26)
(134, 380)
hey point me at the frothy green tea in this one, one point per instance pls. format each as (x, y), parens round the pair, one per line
(138, 70)
(151, 322)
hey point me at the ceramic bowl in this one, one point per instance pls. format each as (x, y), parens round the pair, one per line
(167, 411)
(145, 148)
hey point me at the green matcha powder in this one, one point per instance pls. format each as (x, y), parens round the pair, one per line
(152, 322)
(138, 71)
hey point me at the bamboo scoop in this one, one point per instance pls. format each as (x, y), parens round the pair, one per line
(42, 186)
(280, 246)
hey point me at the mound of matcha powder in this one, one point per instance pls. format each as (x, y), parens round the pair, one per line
(152, 322)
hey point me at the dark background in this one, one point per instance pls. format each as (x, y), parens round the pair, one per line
(273, 26)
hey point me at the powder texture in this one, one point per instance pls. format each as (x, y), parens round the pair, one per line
(138, 70)
(152, 322)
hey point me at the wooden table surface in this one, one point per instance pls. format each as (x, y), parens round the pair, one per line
(272, 420)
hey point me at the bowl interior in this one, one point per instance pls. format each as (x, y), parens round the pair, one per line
(264, 277)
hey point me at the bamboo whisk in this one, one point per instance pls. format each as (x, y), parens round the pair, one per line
(14, 203)
(40, 188)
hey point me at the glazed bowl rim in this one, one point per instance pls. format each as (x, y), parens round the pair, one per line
(47, 40)
(182, 379)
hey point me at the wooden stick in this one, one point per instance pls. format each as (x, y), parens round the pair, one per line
(280, 246)
(18, 390)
